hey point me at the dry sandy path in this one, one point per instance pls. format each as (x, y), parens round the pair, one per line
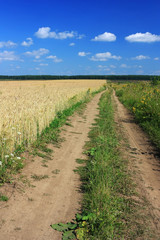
(146, 161)
(30, 210)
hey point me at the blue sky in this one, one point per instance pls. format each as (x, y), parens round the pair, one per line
(79, 37)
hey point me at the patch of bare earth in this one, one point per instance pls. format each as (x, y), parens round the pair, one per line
(48, 192)
(144, 162)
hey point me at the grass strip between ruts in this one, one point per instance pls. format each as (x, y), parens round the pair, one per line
(111, 212)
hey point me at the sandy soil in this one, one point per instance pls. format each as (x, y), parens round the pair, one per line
(30, 210)
(145, 159)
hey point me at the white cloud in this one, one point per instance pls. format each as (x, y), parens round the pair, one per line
(27, 43)
(83, 54)
(80, 36)
(105, 37)
(103, 68)
(37, 53)
(141, 57)
(7, 44)
(112, 66)
(104, 57)
(51, 57)
(156, 58)
(45, 32)
(72, 44)
(37, 68)
(143, 37)
(123, 65)
(137, 66)
(43, 64)
(37, 60)
(54, 58)
(8, 56)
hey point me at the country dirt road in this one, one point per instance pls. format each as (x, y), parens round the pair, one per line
(56, 198)
(144, 159)
(30, 210)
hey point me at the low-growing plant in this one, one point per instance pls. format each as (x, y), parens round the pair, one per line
(3, 198)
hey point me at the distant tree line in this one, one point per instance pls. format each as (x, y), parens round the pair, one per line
(58, 77)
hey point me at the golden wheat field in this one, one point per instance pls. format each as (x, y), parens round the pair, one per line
(24, 105)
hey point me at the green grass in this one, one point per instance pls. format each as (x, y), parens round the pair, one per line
(39, 177)
(3, 198)
(109, 210)
(108, 205)
(143, 99)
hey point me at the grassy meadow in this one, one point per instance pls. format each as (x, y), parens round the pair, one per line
(27, 108)
(143, 99)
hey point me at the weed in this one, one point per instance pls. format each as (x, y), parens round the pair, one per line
(80, 161)
(44, 165)
(56, 171)
(30, 199)
(3, 198)
(39, 177)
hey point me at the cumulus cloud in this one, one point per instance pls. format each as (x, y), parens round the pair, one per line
(37, 53)
(156, 58)
(141, 57)
(45, 32)
(27, 43)
(8, 56)
(54, 58)
(7, 44)
(104, 57)
(83, 54)
(143, 37)
(105, 37)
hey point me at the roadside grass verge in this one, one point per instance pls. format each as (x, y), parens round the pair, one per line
(143, 100)
(109, 210)
(12, 163)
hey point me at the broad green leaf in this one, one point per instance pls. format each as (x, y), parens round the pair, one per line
(85, 218)
(78, 217)
(68, 235)
(59, 227)
(72, 226)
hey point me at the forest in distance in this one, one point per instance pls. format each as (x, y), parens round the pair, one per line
(62, 77)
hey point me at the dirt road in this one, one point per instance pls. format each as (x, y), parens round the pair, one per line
(146, 161)
(55, 198)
